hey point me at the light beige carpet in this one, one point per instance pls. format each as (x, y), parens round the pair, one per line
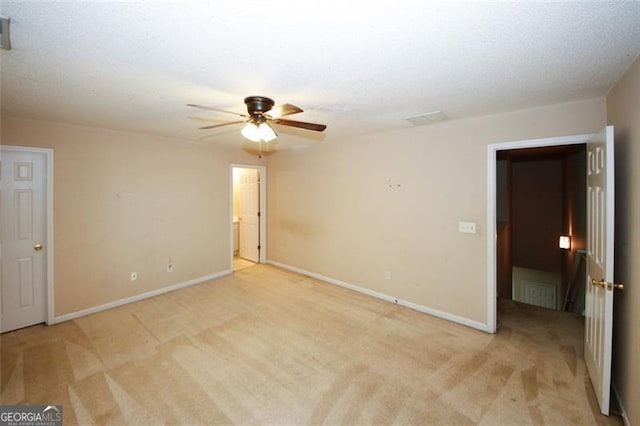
(240, 263)
(265, 346)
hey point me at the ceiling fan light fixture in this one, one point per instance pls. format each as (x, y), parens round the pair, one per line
(258, 133)
(250, 131)
(260, 113)
(266, 133)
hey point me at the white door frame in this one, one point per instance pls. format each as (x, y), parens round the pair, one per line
(48, 243)
(262, 170)
(492, 149)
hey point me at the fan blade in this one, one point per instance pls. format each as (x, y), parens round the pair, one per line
(206, 136)
(301, 124)
(211, 120)
(282, 110)
(221, 125)
(216, 109)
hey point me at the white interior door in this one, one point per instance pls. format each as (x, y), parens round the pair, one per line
(249, 215)
(599, 287)
(22, 233)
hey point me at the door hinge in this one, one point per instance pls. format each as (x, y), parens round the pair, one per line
(259, 247)
(259, 214)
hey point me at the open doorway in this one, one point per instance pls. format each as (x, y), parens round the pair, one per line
(595, 325)
(248, 212)
(492, 213)
(541, 197)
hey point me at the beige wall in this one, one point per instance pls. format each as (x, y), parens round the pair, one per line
(623, 112)
(128, 202)
(333, 212)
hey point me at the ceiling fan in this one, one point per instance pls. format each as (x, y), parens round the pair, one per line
(260, 115)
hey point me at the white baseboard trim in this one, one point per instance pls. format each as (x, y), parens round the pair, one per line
(142, 296)
(420, 308)
(623, 411)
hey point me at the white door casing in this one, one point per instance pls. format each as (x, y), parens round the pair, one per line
(600, 239)
(25, 232)
(492, 149)
(249, 215)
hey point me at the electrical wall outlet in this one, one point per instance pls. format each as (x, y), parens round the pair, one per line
(133, 276)
(169, 267)
(387, 275)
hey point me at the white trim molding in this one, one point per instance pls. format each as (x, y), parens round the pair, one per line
(138, 297)
(48, 243)
(492, 150)
(420, 308)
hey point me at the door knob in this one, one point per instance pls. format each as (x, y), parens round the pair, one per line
(611, 286)
(37, 247)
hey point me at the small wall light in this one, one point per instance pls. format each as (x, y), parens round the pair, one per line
(564, 242)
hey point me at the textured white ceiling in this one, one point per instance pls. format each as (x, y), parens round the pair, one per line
(357, 66)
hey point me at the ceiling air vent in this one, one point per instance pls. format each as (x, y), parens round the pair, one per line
(5, 42)
(428, 118)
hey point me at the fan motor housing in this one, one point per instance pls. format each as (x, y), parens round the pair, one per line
(258, 105)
